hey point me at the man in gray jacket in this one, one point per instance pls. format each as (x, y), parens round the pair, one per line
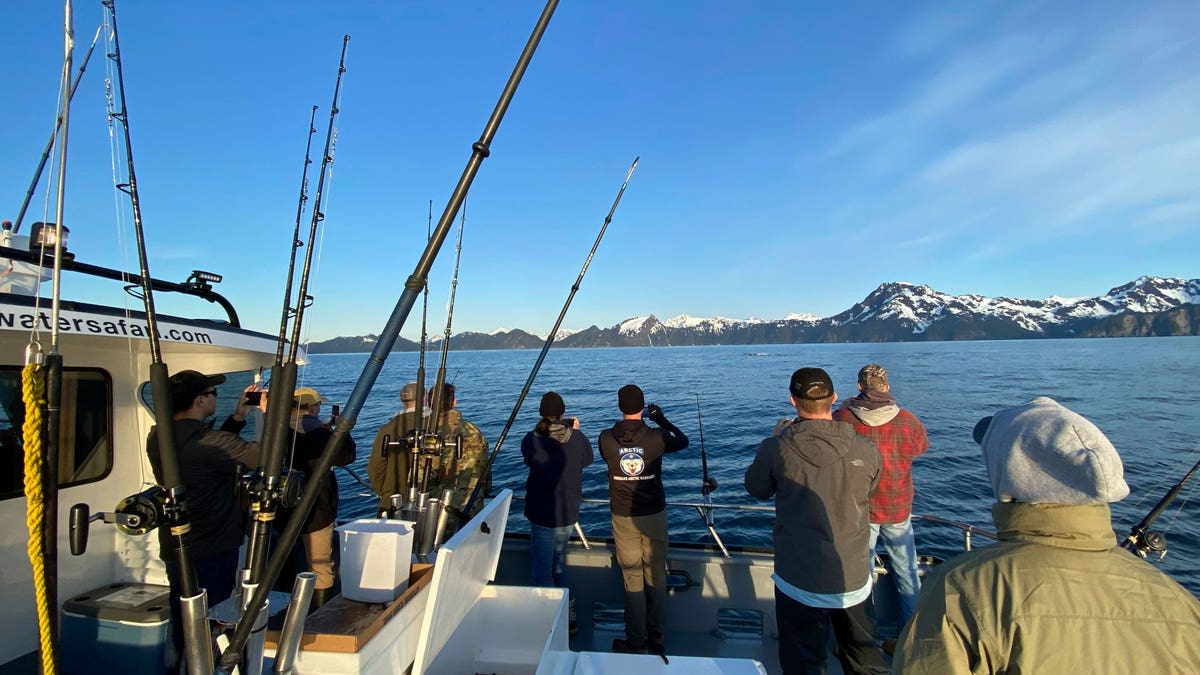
(821, 474)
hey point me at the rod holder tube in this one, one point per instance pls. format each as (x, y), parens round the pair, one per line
(293, 623)
(197, 645)
(443, 518)
(255, 646)
(427, 527)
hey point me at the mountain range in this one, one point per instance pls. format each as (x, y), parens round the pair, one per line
(893, 312)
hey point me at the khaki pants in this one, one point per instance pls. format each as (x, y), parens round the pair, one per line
(318, 548)
(642, 554)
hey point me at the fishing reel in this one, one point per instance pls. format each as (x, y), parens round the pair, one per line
(135, 515)
(709, 485)
(251, 490)
(1147, 542)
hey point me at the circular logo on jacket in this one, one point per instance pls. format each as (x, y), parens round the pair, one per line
(632, 464)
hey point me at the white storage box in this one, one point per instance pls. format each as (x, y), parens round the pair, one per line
(376, 559)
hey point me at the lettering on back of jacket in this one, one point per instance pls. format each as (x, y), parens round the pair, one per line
(633, 464)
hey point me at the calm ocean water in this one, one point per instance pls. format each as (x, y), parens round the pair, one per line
(1136, 390)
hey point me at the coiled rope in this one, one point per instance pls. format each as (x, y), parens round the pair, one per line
(33, 389)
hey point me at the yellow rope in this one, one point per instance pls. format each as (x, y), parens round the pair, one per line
(34, 392)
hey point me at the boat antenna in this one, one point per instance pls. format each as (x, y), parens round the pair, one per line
(297, 242)
(546, 345)
(41, 463)
(37, 173)
(707, 486)
(387, 339)
(268, 489)
(1143, 541)
(175, 510)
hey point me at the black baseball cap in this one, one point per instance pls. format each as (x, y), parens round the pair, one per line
(812, 384)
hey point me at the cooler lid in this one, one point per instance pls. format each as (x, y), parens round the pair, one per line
(465, 564)
(136, 603)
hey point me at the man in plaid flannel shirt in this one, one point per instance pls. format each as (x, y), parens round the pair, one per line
(900, 437)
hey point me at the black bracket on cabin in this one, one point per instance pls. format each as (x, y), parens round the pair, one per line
(194, 286)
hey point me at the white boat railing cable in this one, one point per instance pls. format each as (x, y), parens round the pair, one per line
(387, 339)
(37, 173)
(475, 494)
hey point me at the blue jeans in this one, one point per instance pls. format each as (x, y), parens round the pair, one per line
(548, 554)
(901, 547)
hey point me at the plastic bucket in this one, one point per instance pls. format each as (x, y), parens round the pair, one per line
(376, 559)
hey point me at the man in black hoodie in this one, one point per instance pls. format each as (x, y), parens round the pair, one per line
(821, 474)
(634, 452)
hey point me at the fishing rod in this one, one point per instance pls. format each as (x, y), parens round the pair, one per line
(296, 241)
(1141, 540)
(437, 401)
(37, 173)
(424, 332)
(174, 502)
(387, 339)
(432, 520)
(42, 374)
(267, 490)
(549, 340)
(707, 486)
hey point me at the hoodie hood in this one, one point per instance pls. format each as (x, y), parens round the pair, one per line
(824, 441)
(560, 430)
(874, 408)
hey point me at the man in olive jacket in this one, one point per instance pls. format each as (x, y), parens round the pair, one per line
(1056, 594)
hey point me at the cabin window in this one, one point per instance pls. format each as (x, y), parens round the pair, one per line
(84, 433)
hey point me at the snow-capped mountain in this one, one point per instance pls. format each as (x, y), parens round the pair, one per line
(893, 312)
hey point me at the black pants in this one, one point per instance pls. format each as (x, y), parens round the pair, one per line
(804, 637)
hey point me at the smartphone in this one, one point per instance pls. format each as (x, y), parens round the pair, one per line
(646, 413)
(337, 410)
(253, 398)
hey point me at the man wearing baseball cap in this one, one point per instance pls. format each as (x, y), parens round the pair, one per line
(308, 440)
(1056, 594)
(209, 460)
(821, 474)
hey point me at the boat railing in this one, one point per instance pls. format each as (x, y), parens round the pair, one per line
(705, 510)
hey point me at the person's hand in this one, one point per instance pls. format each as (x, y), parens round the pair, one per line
(655, 414)
(782, 424)
(244, 406)
(574, 422)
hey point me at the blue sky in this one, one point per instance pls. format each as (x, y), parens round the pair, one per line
(794, 155)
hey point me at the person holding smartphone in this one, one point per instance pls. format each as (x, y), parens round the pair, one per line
(556, 453)
(634, 452)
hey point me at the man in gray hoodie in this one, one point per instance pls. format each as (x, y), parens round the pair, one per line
(821, 474)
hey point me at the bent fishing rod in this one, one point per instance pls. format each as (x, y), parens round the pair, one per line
(424, 332)
(58, 123)
(268, 488)
(1141, 540)
(537, 365)
(174, 502)
(387, 339)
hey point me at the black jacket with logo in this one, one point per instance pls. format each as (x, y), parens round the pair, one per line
(634, 452)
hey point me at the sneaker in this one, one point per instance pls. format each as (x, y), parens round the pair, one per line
(622, 646)
(572, 620)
